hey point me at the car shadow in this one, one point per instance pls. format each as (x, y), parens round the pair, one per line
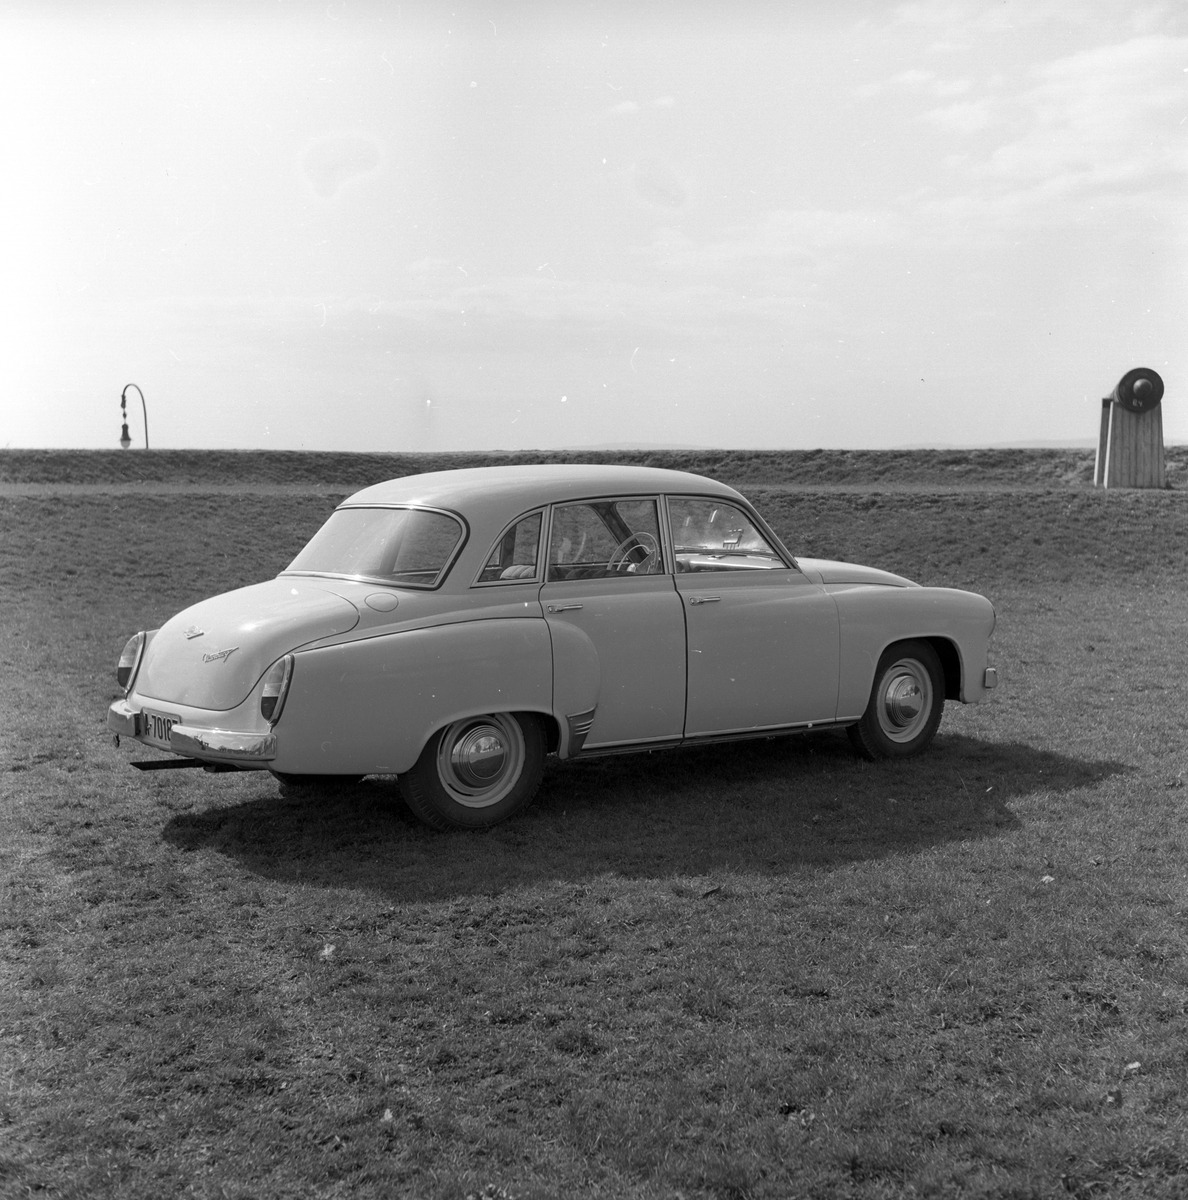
(773, 807)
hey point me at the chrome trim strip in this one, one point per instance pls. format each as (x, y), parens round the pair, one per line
(705, 739)
(717, 735)
(765, 731)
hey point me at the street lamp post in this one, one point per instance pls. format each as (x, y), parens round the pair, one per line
(125, 437)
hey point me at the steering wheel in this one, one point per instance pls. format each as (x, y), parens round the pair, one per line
(633, 542)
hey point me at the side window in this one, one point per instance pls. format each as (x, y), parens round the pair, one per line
(514, 555)
(708, 535)
(605, 539)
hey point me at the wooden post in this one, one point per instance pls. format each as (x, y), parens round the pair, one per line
(1130, 440)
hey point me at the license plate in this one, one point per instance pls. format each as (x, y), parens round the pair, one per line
(155, 727)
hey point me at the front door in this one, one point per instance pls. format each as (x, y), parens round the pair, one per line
(607, 579)
(763, 640)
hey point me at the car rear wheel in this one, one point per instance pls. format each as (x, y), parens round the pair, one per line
(906, 703)
(477, 772)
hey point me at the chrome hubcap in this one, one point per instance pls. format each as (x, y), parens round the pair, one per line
(905, 701)
(479, 757)
(480, 760)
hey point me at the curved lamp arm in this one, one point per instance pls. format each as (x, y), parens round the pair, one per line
(143, 408)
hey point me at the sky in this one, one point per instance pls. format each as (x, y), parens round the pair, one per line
(353, 225)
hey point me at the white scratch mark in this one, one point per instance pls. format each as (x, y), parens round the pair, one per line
(391, 68)
(633, 354)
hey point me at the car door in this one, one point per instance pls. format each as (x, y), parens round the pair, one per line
(608, 583)
(763, 640)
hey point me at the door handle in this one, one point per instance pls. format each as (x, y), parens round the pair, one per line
(556, 608)
(704, 599)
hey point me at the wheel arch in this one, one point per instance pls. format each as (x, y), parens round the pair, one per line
(548, 723)
(950, 660)
(552, 731)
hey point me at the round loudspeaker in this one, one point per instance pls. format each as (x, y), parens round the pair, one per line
(1139, 390)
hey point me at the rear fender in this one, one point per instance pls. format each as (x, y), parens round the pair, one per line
(369, 707)
(577, 678)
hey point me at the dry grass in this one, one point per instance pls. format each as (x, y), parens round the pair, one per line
(762, 970)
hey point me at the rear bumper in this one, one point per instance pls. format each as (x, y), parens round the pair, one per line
(223, 745)
(123, 719)
(210, 745)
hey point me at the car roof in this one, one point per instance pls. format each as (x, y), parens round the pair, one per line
(511, 490)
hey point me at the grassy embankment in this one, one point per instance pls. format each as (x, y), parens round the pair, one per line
(758, 970)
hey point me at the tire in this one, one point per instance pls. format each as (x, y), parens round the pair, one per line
(477, 772)
(906, 703)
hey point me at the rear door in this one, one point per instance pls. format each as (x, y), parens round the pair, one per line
(608, 580)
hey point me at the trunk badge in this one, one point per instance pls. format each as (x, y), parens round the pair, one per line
(223, 654)
(194, 632)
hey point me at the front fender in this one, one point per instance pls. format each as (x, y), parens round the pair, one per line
(369, 707)
(874, 617)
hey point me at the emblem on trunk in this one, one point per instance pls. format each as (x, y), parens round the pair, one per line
(223, 654)
(194, 632)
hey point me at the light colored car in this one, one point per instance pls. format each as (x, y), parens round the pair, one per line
(453, 628)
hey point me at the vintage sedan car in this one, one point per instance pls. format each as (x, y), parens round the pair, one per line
(454, 628)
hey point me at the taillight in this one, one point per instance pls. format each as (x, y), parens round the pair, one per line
(130, 661)
(276, 687)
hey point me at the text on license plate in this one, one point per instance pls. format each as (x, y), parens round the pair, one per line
(156, 727)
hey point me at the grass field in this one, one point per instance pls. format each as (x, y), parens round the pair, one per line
(760, 970)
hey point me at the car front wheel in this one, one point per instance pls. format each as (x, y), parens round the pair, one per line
(906, 703)
(477, 772)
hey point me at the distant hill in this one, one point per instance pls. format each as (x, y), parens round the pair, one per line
(954, 468)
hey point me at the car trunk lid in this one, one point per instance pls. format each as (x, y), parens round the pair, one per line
(212, 654)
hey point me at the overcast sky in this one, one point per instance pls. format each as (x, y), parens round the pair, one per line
(370, 226)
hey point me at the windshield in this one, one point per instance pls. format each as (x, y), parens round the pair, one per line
(410, 546)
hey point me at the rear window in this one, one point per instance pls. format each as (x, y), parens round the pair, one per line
(409, 546)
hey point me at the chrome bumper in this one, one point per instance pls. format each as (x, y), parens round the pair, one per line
(223, 744)
(990, 679)
(219, 745)
(123, 719)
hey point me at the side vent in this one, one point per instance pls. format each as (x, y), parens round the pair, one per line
(579, 727)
